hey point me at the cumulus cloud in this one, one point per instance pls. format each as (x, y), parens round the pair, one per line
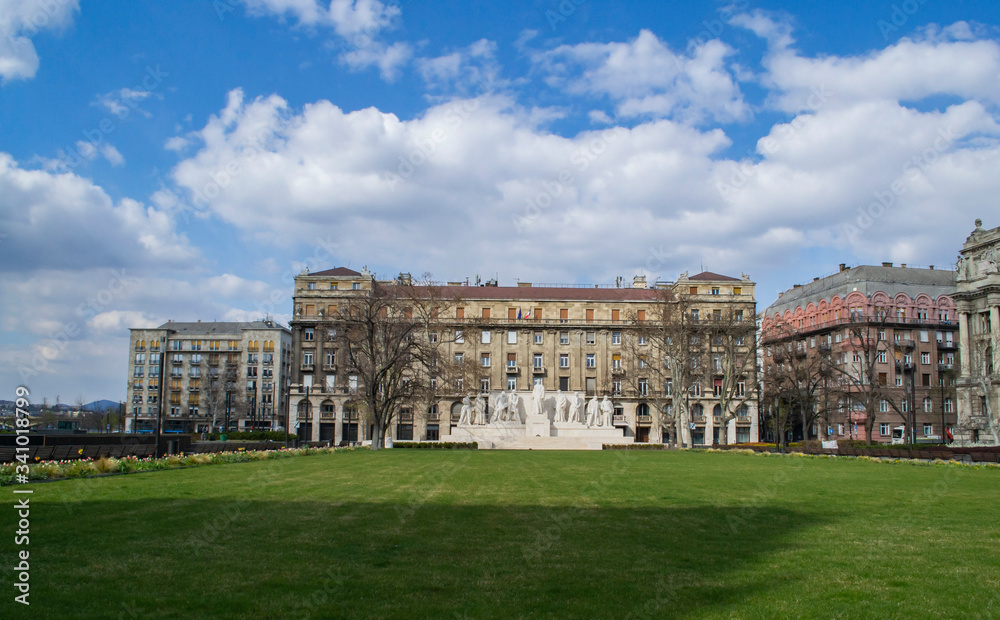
(359, 23)
(943, 61)
(646, 79)
(389, 59)
(62, 220)
(469, 71)
(22, 20)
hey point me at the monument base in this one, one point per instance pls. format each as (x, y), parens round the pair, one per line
(538, 433)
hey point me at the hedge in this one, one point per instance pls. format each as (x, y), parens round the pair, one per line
(436, 445)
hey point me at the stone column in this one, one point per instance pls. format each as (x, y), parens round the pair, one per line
(315, 419)
(995, 329)
(709, 413)
(964, 343)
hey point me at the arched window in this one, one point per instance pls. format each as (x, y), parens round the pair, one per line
(717, 411)
(697, 410)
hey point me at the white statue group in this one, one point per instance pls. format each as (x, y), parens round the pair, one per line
(506, 408)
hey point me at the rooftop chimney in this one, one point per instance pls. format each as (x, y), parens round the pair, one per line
(816, 279)
(887, 264)
(639, 282)
(843, 266)
(903, 265)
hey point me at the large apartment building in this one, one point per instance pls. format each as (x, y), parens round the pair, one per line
(570, 339)
(978, 305)
(205, 376)
(900, 319)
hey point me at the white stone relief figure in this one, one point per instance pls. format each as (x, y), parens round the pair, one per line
(513, 402)
(606, 410)
(480, 418)
(962, 269)
(575, 404)
(562, 406)
(466, 417)
(538, 396)
(990, 260)
(593, 411)
(499, 408)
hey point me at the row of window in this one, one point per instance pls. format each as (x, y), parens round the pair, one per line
(334, 286)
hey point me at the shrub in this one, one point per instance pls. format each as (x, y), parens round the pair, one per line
(250, 436)
(634, 446)
(436, 445)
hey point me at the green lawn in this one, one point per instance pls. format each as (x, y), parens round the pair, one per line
(455, 534)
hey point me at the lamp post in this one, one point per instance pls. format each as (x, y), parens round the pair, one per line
(286, 391)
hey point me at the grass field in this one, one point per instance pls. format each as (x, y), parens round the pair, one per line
(415, 534)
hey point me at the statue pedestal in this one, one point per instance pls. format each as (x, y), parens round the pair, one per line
(537, 426)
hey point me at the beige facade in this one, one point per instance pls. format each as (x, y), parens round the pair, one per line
(204, 374)
(571, 339)
(978, 305)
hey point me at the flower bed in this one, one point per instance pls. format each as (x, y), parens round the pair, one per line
(85, 468)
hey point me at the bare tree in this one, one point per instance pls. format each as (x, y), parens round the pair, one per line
(677, 338)
(857, 376)
(802, 380)
(389, 346)
(732, 342)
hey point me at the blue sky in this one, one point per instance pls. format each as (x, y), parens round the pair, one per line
(183, 160)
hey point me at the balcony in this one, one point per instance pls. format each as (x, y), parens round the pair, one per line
(512, 370)
(946, 345)
(617, 370)
(176, 361)
(329, 367)
(644, 419)
(698, 419)
(194, 388)
(194, 362)
(538, 370)
(308, 367)
(619, 420)
(945, 367)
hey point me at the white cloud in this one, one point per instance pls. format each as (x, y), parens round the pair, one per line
(944, 62)
(646, 79)
(389, 59)
(22, 20)
(469, 71)
(65, 221)
(358, 20)
(121, 102)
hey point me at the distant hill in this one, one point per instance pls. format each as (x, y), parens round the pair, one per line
(100, 405)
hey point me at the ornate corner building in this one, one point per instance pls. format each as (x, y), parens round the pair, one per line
(867, 341)
(570, 339)
(978, 305)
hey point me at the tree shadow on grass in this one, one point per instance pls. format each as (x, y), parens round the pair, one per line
(280, 559)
